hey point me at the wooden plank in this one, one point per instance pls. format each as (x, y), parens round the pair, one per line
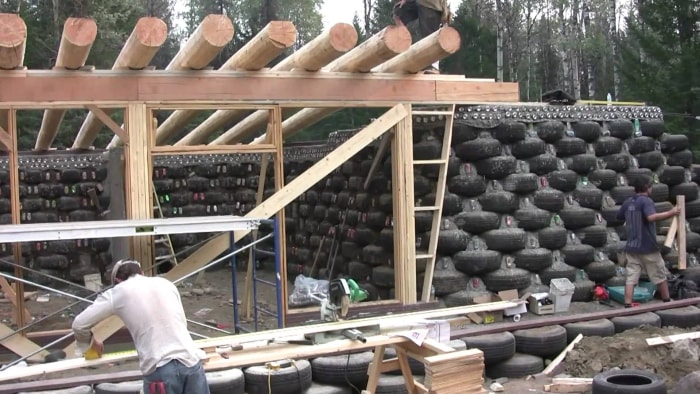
(138, 174)
(682, 252)
(569, 385)
(473, 330)
(253, 340)
(656, 341)
(671, 235)
(477, 92)
(157, 86)
(555, 363)
(20, 345)
(107, 121)
(205, 254)
(378, 157)
(404, 220)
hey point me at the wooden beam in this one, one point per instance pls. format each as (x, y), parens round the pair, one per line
(20, 345)
(5, 139)
(311, 57)
(381, 46)
(76, 42)
(13, 41)
(138, 165)
(213, 149)
(107, 121)
(269, 207)
(38, 89)
(275, 131)
(404, 219)
(206, 42)
(138, 51)
(269, 43)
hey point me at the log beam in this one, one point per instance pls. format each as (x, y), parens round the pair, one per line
(269, 43)
(325, 48)
(206, 42)
(382, 46)
(13, 41)
(76, 42)
(435, 47)
(425, 52)
(138, 51)
(207, 252)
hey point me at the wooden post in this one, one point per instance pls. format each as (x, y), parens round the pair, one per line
(278, 141)
(404, 219)
(20, 313)
(682, 254)
(138, 172)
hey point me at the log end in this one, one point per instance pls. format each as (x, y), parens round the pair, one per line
(13, 31)
(397, 39)
(217, 30)
(282, 33)
(343, 37)
(80, 32)
(151, 32)
(449, 39)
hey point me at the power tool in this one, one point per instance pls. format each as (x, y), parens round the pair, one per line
(341, 293)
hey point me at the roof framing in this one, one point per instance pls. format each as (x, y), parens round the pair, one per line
(47, 89)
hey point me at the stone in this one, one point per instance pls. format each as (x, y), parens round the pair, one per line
(198, 291)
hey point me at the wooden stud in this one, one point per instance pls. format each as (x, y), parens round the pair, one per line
(277, 140)
(560, 358)
(21, 314)
(139, 204)
(404, 219)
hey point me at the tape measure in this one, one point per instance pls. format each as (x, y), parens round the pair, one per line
(91, 354)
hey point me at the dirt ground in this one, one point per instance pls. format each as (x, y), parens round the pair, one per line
(209, 302)
(630, 350)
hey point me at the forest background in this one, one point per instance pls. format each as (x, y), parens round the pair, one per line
(642, 50)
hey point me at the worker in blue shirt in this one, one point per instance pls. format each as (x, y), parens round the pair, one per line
(642, 251)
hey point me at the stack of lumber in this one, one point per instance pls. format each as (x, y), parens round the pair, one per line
(459, 372)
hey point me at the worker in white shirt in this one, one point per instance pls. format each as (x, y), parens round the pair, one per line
(431, 14)
(152, 311)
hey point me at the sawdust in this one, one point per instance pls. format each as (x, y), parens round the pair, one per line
(629, 350)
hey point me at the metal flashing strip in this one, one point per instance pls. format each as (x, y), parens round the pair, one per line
(124, 228)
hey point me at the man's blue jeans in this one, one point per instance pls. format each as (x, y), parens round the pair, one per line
(176, 378)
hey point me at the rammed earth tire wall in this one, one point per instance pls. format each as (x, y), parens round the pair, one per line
(532, 193)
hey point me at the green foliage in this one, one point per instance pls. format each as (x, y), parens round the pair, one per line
(661, 62)
(476, 57)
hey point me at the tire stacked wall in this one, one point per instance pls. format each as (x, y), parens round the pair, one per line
(532, 193)
(54, 189)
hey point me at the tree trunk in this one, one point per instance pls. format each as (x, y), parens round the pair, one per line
(613, 36)
(563, 52)
(576, 50)
(499, 41)
(590, 72)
